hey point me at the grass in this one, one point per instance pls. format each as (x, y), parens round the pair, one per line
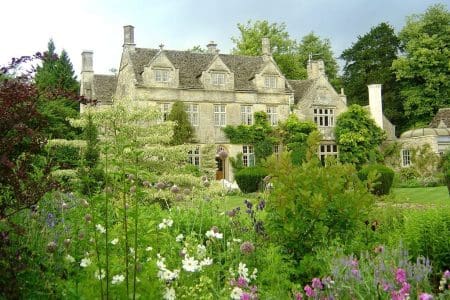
(424, 196)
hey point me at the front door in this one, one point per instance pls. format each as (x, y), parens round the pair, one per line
(219, 170)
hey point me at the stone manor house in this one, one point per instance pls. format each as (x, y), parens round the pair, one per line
(222, 89)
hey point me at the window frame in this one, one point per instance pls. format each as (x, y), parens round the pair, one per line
(328, 149)
(161, 75)
(192, 110)
(272, 115)
(406, 158)
(248, 155)
(324, 116)
(247, 114)
(220, 115)
(218, 78)
(194, 156)
(270, 81)
(165, 109)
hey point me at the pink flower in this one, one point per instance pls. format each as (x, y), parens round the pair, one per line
(298, 296)
(316, 283)
(400, 275)
(447, 274)
(405, 288)
(386, 286)
(309, 291)
(354, 263)
(245, 296)
(241, 282)
(425, 296)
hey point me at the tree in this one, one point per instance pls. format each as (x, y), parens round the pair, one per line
(197, 49)
(282, 47)
(358, 137)
(369, 61)
(311, 44)
(183, 131)
(58, 87)
(423, 70)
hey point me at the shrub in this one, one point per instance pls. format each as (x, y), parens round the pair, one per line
(249, 179)
(426, 233)
(66, 156)
(384, 180)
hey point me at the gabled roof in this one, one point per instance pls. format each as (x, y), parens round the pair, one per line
(191, 65)
(104, 87)
(300, 88)
(442, 114)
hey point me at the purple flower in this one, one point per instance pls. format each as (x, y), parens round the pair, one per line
(247, 247)
(317, 284)
(405, 288)
(425, 296)
(400, 275)
(447, 274)
(261, 204)
(356, 274)
(386, 286)
(245, 296)
(309, 291)
(241, 282)
(298, 296)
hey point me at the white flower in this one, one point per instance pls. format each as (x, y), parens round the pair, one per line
(236, 293)
(201, 251)
(148, 248)
(167, 275)
(115, 241)
(212, 234)
(190, 264)
(165, 223)
(132, 251)
(117, 279)
(160, 263)
(70, 258)
(100, 275)
(100, 228)
(253, 276)
(237, 240)
(169, 294)
(243, 271)
(179, 238)
(206, 262)
(85, 262)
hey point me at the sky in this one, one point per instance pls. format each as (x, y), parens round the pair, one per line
(97, 25)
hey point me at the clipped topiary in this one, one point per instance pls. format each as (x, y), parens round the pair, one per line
(384, 179)
(250, 179)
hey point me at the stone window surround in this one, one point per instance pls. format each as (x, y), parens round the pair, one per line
(247, 114)
(218, 78)
(220, 115)
(272, 115)
(406, 157)
(165, 108)
(329, 149)
(161, 74)
(270, 81)
(324, 116)
(192, 112)
(248, 155)
(194, 156)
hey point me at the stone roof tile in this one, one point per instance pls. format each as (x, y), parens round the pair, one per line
(442, 114)
(104, 87)
(300, 88)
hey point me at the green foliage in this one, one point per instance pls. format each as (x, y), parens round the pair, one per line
(384, 175)
(426, 233)
(290, 55)
(260, 135)
(58, 87)
(294, 134)
(311, 205)
(445, 162)
(183, 131)
(358, 137)
(250, 179)
(369, 61)
(423, 70)
(65, 156)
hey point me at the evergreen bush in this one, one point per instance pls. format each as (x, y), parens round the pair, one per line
(249, 179)
(65, 156)
(384, 179)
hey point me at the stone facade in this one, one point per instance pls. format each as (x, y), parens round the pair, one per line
(218, 90)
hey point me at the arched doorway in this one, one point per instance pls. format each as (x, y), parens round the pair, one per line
(221, 157)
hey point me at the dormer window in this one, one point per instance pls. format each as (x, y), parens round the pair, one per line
(270, 81)
(161, 75)
(218, 78)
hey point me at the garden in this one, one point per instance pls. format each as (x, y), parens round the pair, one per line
(117, 212)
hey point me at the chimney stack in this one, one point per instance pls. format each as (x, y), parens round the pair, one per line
(128, 36)
(212, 48)
(375, 104)
(315, 69)
(87, 64)
(265, 46)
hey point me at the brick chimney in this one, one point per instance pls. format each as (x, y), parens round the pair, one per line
(212, 48)
(128, 37)
(375, 104)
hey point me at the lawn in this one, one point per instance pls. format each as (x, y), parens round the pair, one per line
(425, 196)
